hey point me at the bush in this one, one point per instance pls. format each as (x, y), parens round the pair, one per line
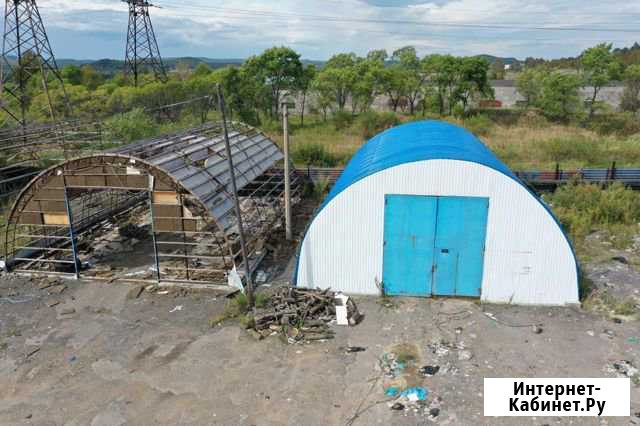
(479, 124)
(130, 126)
(582, 149)
(314, 154)
(371, 123)
(624, 124)
(342, 119)
(504, 117)
(583, 207)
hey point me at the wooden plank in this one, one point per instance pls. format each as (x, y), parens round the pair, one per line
(56, 219)
(166, 197)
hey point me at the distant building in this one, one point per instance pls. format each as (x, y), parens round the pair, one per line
(507, 94)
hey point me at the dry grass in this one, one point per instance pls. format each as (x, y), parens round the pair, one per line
(531, 144)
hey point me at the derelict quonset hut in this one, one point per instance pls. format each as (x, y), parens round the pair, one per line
(426, 209)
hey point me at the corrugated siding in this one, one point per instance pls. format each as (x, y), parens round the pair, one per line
(527, 259)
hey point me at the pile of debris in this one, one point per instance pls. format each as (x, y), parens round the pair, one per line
(302, 314)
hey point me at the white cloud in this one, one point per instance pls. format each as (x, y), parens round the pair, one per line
(225, 29)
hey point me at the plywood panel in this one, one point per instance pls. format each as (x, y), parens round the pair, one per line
(55, 219)
(27, 218)
(161, 197)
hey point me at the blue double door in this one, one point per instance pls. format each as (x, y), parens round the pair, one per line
(434, 245)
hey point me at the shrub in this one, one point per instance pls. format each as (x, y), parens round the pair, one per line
(479, 124)
(130, 126)
(583, 207)
(314, 154)
(342, 119)
(371, 123)
(624, 124)
(583, 149)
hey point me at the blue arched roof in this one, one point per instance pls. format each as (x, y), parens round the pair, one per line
(415, 141)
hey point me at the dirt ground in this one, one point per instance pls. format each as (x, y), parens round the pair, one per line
(102, 358)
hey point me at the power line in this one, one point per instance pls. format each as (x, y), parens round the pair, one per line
(327, 18)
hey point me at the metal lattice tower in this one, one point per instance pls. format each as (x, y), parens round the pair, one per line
(142, 48)
(26, 52)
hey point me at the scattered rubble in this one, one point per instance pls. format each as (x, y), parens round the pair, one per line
(32, 352)
(301, 314)
(429, 370)
(57, 289)
(135, 292)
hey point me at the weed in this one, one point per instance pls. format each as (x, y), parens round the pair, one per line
(479, 124)
(627, 307)
(583, 207)
(342, 120)
(371, 123)
(313, 154)
(236, 307)
(261, 300)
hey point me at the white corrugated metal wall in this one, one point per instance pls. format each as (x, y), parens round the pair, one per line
(527, 258)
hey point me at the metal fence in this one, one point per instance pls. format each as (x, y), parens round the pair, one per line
(538, 180)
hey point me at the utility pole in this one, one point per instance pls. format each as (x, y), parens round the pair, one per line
(232, 173)
(26, 52)
(287, 172)
(142, 47)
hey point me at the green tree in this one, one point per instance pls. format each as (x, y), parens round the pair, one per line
(413, 74)
(472, 79)
(337, 79)
(600, 67)
(304, 84)
(529, 85)
(497, 69)
(91, 78)
(278, 68)
(368, 74)
(72, 74)
(631, 95)
(379, 56)
(202, 70)
(394, 84)
(560, 96)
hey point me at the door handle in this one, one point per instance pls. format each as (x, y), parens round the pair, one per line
(444, 251)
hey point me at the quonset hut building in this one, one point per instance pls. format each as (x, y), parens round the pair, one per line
(425, 209)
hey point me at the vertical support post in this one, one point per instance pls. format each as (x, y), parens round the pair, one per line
(72, 235)
(184, 239)
(153, 227)
(287, 172)
(613, 171)
(557, 177)
(227, 145)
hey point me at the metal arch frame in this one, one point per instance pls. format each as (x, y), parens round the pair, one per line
(27, 193)
(161, 157)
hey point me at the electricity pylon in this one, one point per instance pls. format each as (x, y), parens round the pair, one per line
(142, 48)
(26, 52)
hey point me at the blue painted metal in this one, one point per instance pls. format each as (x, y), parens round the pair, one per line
(418, 141)
(415, 141)
(409, 232)
(459, 246)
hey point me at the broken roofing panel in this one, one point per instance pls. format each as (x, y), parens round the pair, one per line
(196, 160)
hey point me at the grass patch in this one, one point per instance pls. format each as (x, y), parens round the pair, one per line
(584, 207)
(526, 141)
(238, 308)
(604, 302)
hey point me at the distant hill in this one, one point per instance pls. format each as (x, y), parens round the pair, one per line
(113, 66)
(506, 61)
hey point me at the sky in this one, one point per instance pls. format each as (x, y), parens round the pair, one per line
(317, 29)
